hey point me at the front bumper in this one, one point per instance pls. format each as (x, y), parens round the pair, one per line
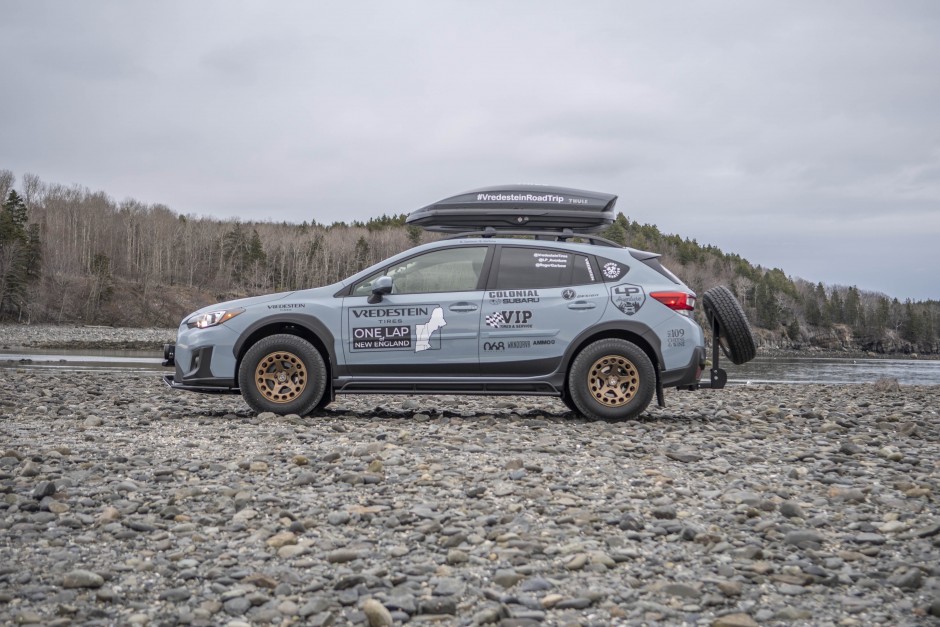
(203, 389)
(196, 374)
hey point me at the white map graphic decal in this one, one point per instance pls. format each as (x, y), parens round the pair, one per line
(423, 332)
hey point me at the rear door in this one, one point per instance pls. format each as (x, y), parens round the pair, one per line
(537, 301)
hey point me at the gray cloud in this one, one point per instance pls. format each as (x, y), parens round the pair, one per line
(801, 135)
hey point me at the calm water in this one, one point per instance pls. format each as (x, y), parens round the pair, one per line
(761, 370)
(82, 360)
(824, 370)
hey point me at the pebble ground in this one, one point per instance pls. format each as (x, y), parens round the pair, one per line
(124, 502)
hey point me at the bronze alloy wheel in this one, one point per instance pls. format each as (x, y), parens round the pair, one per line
(281, 376)
(613, 380)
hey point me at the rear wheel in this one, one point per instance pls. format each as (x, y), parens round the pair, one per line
(283, 374)
(611, 379)
(734, 332)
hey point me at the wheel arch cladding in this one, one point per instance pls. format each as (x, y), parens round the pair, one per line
(619, 333)
(307, 328)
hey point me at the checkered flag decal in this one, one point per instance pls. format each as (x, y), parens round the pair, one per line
(495, 320)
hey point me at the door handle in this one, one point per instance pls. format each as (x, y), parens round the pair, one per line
(463, 307)
(581, 304)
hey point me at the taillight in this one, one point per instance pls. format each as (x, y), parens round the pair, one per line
(677, 301)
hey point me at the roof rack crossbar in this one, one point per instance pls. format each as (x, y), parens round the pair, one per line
(561, 236)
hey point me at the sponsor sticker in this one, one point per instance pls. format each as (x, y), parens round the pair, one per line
(382, 338)
(628, 298)
(510, 319)
(590, 268)
(611, 270)
(513, 297)
(288, 306)
(416, 328)
(675, 338)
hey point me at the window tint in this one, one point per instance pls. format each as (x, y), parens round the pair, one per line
(583, 271)
(451, 270)
(534, 268)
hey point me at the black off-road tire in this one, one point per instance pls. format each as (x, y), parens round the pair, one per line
(611, 379)
(569, 403)
(734, 332)
(283, 374)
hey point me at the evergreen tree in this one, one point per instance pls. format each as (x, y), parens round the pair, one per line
(414, 234)
(836, 309)
(14, 245)
(765, 301)
(852, 308)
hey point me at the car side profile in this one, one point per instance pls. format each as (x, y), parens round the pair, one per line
(512, 303)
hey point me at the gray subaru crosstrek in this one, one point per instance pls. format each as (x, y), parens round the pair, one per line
(522, 299)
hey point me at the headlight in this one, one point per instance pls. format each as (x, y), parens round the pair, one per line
(212, 318)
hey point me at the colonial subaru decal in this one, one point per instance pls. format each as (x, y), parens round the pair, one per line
(512, 297)
(627, 297)
(416, 328)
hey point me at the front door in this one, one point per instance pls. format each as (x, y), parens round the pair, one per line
(429, 324)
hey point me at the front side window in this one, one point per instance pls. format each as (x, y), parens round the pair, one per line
(450, 270)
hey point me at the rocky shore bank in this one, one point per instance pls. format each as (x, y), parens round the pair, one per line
(83, 337)
(124, 502)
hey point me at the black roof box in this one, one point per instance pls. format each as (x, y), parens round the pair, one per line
(531, 207)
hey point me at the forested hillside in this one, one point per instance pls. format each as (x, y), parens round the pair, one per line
(70, 255)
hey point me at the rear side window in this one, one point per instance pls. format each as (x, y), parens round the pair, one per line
(534, 268)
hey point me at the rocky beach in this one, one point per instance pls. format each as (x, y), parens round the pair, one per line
(124, 502)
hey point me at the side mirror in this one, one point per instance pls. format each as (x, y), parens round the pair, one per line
(380, 287)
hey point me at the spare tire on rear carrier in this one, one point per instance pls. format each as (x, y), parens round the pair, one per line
(730, 331)
(727, 320)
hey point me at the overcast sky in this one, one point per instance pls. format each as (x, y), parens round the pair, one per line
(800, 135)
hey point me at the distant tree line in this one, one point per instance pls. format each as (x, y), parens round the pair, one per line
(68, 254)
(795, 313)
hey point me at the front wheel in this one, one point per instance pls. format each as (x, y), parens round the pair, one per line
(283, 374)
(611, 379)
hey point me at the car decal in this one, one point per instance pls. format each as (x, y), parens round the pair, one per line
(590, 268)
(415, 328)
(513, 297)
(628, 298)
(611, 270)
(512, 319)
(544, 259)
(425, 332)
